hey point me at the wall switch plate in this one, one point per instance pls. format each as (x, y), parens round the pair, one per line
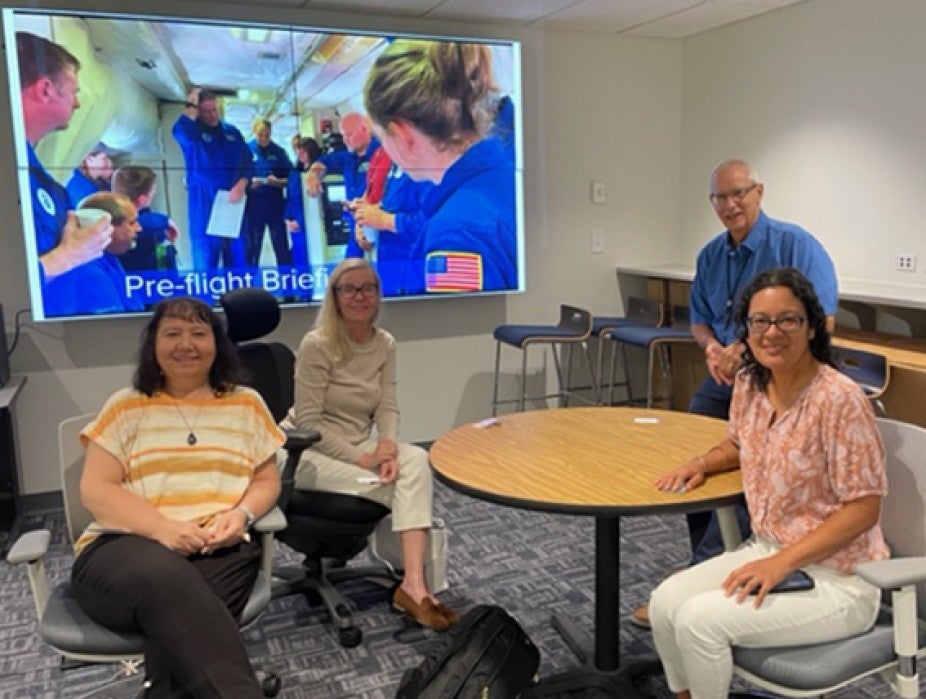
(905, 263)
(597, 241)
(599, 194)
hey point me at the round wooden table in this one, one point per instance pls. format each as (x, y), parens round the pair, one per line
(590, 461)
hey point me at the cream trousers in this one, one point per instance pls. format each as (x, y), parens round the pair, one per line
(695, 624)
(409, 496)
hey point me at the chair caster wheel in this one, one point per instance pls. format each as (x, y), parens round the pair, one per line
(270, 684)
(350, 637)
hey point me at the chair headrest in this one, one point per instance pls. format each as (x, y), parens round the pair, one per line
(250, 313)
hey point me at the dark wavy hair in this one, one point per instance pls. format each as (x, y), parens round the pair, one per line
(793, 280)
(225, 373)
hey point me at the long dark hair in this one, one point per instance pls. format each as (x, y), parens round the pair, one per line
(225, 372)
(797, 284)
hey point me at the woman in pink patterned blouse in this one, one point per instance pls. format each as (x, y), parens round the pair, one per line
(812, 461)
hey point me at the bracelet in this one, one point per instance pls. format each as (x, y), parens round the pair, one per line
(703, 462)
(248, 516)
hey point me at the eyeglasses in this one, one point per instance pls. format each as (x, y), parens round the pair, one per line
(788, 323)
(735, 195)
(350, 291)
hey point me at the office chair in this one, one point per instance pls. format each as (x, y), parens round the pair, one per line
(574, 327)
(328, 528)
(657, 341)
(62, 623)
(868, 369)
(898, 637)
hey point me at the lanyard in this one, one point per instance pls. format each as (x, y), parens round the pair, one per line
(734, 256)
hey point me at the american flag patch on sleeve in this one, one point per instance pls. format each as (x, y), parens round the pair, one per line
(453, 271)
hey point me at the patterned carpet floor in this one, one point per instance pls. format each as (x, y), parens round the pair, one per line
(531, 564)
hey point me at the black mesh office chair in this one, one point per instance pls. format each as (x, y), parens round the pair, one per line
(328, 528)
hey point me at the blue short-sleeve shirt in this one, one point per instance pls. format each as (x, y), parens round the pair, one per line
(723, 271)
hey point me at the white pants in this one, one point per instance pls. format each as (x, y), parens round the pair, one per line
(409, 496)
(695, 624)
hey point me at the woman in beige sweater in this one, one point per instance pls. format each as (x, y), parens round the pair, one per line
(346, 386)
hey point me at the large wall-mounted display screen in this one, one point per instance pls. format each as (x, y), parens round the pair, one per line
(227, 154)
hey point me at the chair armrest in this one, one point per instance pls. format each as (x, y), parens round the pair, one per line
(300, 439)
(893, 573)
(29, 547)
(273, 521)
(297, 441)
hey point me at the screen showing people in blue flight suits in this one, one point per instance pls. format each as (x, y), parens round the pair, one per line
(258, 155)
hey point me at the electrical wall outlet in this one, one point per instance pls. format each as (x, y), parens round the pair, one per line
(905, 263)
(599, 194)
(597, 241)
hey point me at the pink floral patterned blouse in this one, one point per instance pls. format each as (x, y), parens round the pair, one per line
(800, 468)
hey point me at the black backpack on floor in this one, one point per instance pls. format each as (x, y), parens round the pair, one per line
(486, 655)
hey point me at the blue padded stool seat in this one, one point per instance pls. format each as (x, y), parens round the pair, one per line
(656, 341)
(574, 327)
(604, 324)
(519, 335)
(825, 666)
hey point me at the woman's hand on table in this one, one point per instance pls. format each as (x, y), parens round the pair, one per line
(756, 577)
(686, 477)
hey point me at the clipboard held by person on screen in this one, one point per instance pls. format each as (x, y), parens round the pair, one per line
(225, 219)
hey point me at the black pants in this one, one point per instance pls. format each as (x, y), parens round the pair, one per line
(186, 608)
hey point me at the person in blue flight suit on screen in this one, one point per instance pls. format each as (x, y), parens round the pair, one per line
(307, 151)
(399, 222)
(217, 158)
(94, 174)
(103, 281)
(353, 164)
(48, 91)
(436, 128)
(265, 205)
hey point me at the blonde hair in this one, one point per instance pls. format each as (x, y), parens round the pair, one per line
(443, 88)
(329, 323)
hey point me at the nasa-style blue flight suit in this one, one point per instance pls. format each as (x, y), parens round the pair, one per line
(295, 211)
(354, 169)
(397, 270)
(264, 208)
(80, 186)
(144, 256)
(216, 158)
(469, 240)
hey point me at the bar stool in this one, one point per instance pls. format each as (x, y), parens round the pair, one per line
(868, 369)
(657, 341)
(640, 311)
(574, 327)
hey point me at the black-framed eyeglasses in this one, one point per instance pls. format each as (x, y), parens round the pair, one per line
(788, 323)
(350, 291)
(737, 195)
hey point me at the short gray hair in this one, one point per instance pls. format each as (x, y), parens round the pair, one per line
(751, 171)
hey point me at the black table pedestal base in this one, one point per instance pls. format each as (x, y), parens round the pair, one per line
(613, 683)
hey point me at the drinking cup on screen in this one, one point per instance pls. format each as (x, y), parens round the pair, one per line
(87, 218)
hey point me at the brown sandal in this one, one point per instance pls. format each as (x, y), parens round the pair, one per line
(425, 613)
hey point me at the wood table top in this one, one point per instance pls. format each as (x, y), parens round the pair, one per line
(595, 461)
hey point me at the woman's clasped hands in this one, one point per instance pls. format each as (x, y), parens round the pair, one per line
(188, 538)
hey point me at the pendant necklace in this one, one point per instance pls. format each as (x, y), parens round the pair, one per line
(191, 437)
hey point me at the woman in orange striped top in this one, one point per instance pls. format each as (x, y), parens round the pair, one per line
(177, 469)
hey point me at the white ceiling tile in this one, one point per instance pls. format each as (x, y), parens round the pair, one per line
(611, 17)
(503, 10)
(702, 17)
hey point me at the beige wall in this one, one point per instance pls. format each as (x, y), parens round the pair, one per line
(595, 108)
(826, 98)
